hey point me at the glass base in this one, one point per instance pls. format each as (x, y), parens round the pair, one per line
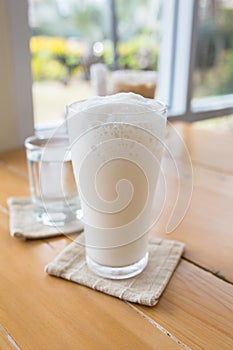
(57, 211)
(58, 219)
(118, 273)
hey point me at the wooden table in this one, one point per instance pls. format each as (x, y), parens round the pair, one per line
(38, 311)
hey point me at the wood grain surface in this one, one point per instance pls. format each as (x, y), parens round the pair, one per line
(6, 341)
(197, 307)
(208, 148)
(44, 312)
(206, 229)
(38, 311)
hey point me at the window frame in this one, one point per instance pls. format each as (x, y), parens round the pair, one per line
(176, 66)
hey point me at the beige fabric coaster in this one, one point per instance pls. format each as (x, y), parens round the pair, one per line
(145, 288)
(24, 225)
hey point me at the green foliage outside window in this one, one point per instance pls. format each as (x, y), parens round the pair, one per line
(58, 59)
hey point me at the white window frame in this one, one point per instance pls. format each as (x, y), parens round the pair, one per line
(176, 65)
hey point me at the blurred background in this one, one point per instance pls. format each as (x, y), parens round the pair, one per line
(68, 36)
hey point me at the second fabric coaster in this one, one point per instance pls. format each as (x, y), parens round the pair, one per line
(145, 288)
(24, 225)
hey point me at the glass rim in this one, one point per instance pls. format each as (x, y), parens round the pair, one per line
(30, 142)
(152, 103)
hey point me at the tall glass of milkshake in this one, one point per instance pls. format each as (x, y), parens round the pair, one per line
(116, 148)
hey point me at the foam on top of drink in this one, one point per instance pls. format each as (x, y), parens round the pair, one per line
(120, 103)
(117, 111)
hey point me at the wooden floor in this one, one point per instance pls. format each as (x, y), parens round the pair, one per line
(40, 312)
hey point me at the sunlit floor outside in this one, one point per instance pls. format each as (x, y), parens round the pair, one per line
(51, 97)
(222, 123)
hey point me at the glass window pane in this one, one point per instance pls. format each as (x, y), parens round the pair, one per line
(213, 74)
(138, 33)
(70, 35)
(67, 37)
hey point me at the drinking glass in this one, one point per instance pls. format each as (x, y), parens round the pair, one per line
(52, 185)
(116, 150)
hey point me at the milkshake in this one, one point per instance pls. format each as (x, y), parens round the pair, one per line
(116, 147)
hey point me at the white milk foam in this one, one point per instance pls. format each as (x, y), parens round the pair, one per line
(116, 152)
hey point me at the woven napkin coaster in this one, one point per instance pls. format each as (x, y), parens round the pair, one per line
(24, 225)
(145, 288)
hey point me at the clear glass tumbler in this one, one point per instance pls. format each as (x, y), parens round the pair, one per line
(116, 148)
(52, 185)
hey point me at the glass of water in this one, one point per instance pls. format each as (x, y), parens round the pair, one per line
(52, 185)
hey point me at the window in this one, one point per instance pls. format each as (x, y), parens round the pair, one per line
(193, 40)
(213, 70)
(196, 69)
(68, 36)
